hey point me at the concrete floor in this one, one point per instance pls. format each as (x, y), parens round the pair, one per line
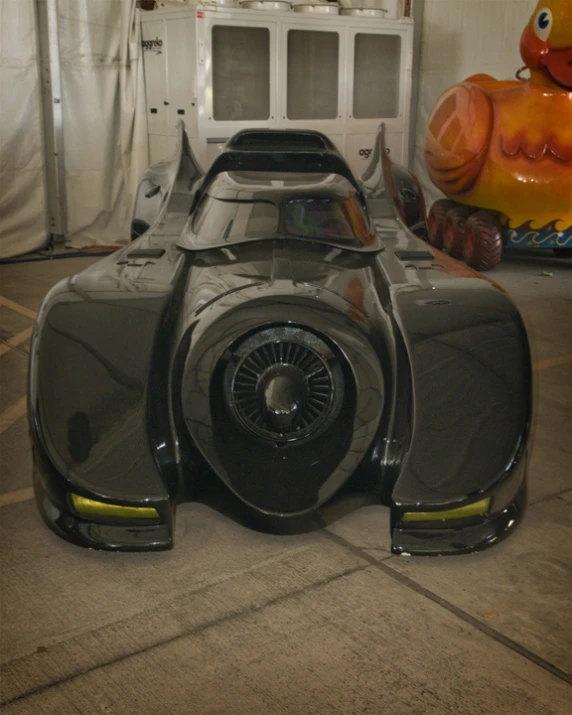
(232, 621)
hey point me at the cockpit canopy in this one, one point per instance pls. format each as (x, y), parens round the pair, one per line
(242, 206)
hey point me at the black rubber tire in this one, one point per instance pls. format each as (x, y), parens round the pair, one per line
(435, 221)
(563, 252)
(482, 241)
(453, 229)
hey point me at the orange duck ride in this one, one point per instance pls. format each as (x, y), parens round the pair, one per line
(502, 151)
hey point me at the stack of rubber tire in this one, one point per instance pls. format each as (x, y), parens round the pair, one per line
(471, 234)
(467, 233)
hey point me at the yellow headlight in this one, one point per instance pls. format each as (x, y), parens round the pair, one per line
(478, 508)
(90, 507)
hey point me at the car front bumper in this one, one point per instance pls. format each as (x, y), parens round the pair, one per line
(461, 536)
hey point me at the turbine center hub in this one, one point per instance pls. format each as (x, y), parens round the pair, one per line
(283, 397)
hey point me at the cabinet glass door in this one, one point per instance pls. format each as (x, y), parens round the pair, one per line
(376, 76)
(240, 73)
(312, 74)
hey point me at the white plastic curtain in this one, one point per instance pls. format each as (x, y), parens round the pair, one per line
(105, 131)
(22, 203)
(460, 38)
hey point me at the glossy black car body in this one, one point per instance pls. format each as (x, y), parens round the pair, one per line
(279, 345)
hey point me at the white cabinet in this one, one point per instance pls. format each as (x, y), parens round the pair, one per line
(235, 69)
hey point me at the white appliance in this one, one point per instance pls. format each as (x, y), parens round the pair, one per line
(226, 69)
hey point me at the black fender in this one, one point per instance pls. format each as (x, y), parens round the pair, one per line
(464, 437)
(471, 415)
(95, 377)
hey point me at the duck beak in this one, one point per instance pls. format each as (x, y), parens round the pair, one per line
(557, 64)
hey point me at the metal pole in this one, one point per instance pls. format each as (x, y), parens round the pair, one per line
(49, 53)
(416, 9)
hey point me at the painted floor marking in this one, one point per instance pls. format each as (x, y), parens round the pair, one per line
(16, 340)
(17, 308)
(16, 497)
(13, 413)
(551, 362)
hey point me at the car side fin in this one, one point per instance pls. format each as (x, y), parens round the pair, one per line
(169, 185)
(373, 182)
(391, 190)
(190, 171)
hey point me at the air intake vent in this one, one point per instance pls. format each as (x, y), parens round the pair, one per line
(285, 384)
(280, 140)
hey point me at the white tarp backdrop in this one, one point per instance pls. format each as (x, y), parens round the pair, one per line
(105, 131)
(105, 134)
(22, 202)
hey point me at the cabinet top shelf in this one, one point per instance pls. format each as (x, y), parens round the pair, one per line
(261, 16)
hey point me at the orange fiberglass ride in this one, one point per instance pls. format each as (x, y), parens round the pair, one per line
(501, 151)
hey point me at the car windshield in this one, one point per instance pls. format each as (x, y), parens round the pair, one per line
(324, 218)
(243, 208)
(225, 221)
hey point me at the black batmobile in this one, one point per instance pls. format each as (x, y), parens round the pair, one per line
(276, 342)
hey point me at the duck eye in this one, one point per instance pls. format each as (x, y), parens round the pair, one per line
(543, 23)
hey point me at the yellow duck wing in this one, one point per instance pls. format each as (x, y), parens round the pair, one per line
(457, 137)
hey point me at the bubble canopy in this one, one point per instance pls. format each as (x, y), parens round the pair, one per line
(242, 206)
